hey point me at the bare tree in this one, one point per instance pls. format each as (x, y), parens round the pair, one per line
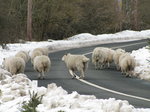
(135, 15)
(29, 21)
(119, 12)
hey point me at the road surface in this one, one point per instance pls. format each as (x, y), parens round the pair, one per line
(104, 84)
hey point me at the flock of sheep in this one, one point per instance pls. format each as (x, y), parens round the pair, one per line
(39, 59)
(102, 57)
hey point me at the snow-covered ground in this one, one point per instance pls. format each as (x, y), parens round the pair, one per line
(15, 90)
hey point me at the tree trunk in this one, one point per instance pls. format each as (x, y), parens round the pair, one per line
(29, 21)
(135, 14)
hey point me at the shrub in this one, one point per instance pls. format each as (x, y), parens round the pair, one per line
(31, 105)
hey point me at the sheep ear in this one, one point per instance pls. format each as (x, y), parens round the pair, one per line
(63, 58)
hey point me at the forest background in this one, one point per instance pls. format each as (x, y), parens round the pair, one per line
(60, 19)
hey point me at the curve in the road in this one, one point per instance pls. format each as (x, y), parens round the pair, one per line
(107, 78)
(110, 90)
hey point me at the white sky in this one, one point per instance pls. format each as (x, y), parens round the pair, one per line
(15, 90)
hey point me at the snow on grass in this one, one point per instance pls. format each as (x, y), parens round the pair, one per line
(14, 90)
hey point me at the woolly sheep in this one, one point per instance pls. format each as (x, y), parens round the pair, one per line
(127, 64)
(42, 64)
(14, 65)
(44, 50)
(39, 52)
(24, 55)
(102, 56)
(76, 63)
(116, 56)
(109, 55)
(96, 58)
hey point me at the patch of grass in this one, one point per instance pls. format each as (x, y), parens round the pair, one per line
(61, 111)
(34, 101)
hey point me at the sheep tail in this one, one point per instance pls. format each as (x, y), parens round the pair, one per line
(44, 66)
(130, 65)
(85, 59)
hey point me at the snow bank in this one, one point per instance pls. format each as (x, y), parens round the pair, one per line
(76, 42)
(123, 35)
(142, 69)
(15, 90)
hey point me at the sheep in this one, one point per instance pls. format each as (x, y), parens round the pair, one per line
(38, 52)
(127, 64)
(44, 50)
(41, 64)
(24, 55)
(14, 65)
(76, 63)
(117, 54)
(96, 58)
(102, 56)
(109, 55)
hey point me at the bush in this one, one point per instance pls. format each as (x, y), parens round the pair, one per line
(34, 101)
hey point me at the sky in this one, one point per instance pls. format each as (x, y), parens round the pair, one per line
(15, 89)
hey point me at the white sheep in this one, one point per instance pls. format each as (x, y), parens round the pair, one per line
(42, 64)
(109, 55)
(24, 55)
(44, 50)
(116, 56)
(127, 64)
(76, 63)
(102, 56)
(96, 58)
(14, 65)
(39, 52)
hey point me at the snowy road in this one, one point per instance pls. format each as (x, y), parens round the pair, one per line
(108, 78)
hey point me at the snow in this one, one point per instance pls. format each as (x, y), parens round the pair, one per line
(143, 69)
(14, 90)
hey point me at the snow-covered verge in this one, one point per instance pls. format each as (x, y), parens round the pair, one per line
(14, 90)
(142, 57)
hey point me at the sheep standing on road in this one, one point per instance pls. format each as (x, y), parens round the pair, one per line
(116, 57)
(14, 65)
(42, 64)
(38, 52)
(102, 56)
(44, 50)
(24, 55)
(96, 58)
(76, 63)
(127, 64)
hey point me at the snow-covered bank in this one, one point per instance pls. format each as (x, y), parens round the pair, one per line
(15, 89)
(142, 69)
(80, 40)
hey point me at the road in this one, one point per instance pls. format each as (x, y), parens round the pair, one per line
(104, 84)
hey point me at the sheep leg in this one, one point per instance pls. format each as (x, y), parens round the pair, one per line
(39, 76)
(118, 68)
(82, 74)
(71, 72)
(99, 66)
(96, 66)
(43, 75)
(128, 74)
(108, 65)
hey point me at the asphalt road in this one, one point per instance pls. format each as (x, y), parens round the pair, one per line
(134, 90)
